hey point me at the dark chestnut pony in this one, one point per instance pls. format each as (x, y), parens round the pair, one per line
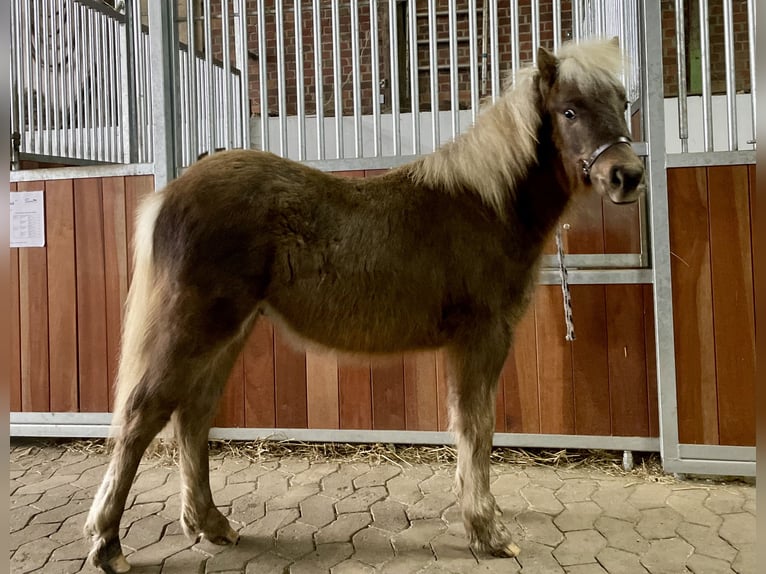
(442, 252)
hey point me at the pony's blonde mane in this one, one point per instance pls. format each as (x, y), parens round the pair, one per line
(498, 150)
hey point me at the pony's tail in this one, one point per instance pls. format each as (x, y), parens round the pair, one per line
(143, 304)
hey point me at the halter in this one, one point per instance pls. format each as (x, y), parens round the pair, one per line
(587, 164)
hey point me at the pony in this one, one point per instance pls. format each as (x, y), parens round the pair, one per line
(442, 252)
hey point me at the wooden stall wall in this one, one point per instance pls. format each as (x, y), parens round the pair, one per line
(713, 308)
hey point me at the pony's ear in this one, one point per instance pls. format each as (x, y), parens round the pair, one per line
(547, 64)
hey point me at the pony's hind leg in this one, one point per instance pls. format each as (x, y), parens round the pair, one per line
(474, 370)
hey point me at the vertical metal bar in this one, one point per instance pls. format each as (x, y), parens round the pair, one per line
(654, 114)
(751, 53)
(356, 92)
(731, 88)
(683, 114)
(556, 25)
(301, 100)
(15, 120)
(412, 26)
(191, 82)
(38, 82)
(47, 79)
(79, 80)
(210, 70)
(495, 50)
(114, 91)
(576, 20)
(535, 25)
(98, 30)
(316, 15)
(137, 86)
(707, 97)
(244, 72)
(26, 48)
(228, 109)
(281, 89)
(87, 86)
(454, 105)
(164, 64)
(183, 102)
(393, 33)
(263, 80)
(22, 116)
(515, 44)
(472, 39)
(57, 72)
(339, 150)
(375, 62)
(434, 70)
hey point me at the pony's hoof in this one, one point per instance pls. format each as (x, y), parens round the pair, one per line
(508, 551)
(117, 565)
(109, 557)
(231, 536)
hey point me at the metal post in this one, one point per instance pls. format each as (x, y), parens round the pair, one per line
(683, 117)
(164, 63)
(659, 227)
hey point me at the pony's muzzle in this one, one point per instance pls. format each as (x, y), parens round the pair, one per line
(625, 183)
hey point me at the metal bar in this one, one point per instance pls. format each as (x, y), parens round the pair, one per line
(262, 76)
(57, 80)
(654, 117)
(472, 39)
(595, 260)
(576, 20)
(15, 119)
(707, 97)
(299, 84)
(241, 42)
(515, 44)
(37, 87)
(535, 31)
(110, 65)
(137, 86)
(434, 71)
(414, 88)
(356, 90)
(454, 105)
(731, 87)
(99, 81)
(87, 86)
(751, 54)
(318, 77)
(720, 467)
(700, 159)
(183, 99)
(47, 78)
(597, 277)
(210, 71)
(337, 85)
(228, 108)
(717, 452)
(281, 89)
(375, 63)
(81, 172)
(191, 83)
(78, 83)
(393, 33)
(556, 25)
(495, 63)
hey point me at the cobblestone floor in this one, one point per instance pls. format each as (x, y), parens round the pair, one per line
(297, 517)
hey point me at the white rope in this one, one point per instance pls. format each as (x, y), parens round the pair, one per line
(570, 336)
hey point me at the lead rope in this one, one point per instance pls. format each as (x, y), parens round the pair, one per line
(565, 286)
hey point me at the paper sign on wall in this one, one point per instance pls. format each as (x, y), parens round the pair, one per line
(27, 219)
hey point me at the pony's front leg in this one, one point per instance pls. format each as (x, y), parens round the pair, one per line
(474, 372)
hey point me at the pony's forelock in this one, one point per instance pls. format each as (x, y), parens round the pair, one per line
(592, 64)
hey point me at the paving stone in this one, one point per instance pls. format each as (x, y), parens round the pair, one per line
(431, 505)
(544, 477)
(613, 499)
(690, 505)
(150, 478)
(46, 484)
(323, 558)
(414, 561)
(706, 541)
(700, 564)
(160, 493)
(738, 529)
(453, 516)
(293, 497)
(578, 516)
(377, 476)
(439, 482)
(48, 501)
(139, 511)
(155, 554)
(18, 518)
(145, 531)
(352, 567)
(185, 561)
(171, 508)
(744, 563)
(454, 553)
(540, 528)
(314, 473)
(509, 483)
(620, 534)
(343, 527)
(586, 569)
(667, 556)
(511, 504)
(271, 485)
(317, 510)
(749, 506)
(268, 563)
(295, 540)
(723, 501)
(418, 535)
(250, 473)
(389, 515)
(231, 492)
(337, 485)
(579, 547)
(538, 559)
(372, 546)
(292, 466)
(235, 558)
(76, 550)
(61, 567)
(541, 499)
(361, 500)
(576, 490)
(32, 555)
(266, 527)
(617, 561)
(62, 512)
(404, 489)
(70, 529)
(30, 533)
(646, 496)
(247, 509)
(658, 523)
(23, 500)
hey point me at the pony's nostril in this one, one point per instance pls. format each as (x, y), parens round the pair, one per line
(616, 176)
(626, 178)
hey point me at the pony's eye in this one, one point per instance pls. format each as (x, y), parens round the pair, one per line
(570, 114)
(627, 103)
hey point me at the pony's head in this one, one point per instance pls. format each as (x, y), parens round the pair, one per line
(585, 102)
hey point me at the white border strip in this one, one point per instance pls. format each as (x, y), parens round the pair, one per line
(81, 172)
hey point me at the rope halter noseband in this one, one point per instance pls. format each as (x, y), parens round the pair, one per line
(587, 164)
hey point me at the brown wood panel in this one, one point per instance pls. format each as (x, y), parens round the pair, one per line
(586, 225)
(522, 393)
(91, 296)
(590, 365)
(627, 360)
(290, 381)
(732, 279)
(231, 407)
(388, 395)
(33, 314)
(442, 391)
(651, 363)
(115, 271)
(62, 295)
(622, 229)
(258, 356)
(15, 390)
(554, 363)
(420, 397)
(692, 309)
(355, 393)
(322, 390)
(136, 187)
